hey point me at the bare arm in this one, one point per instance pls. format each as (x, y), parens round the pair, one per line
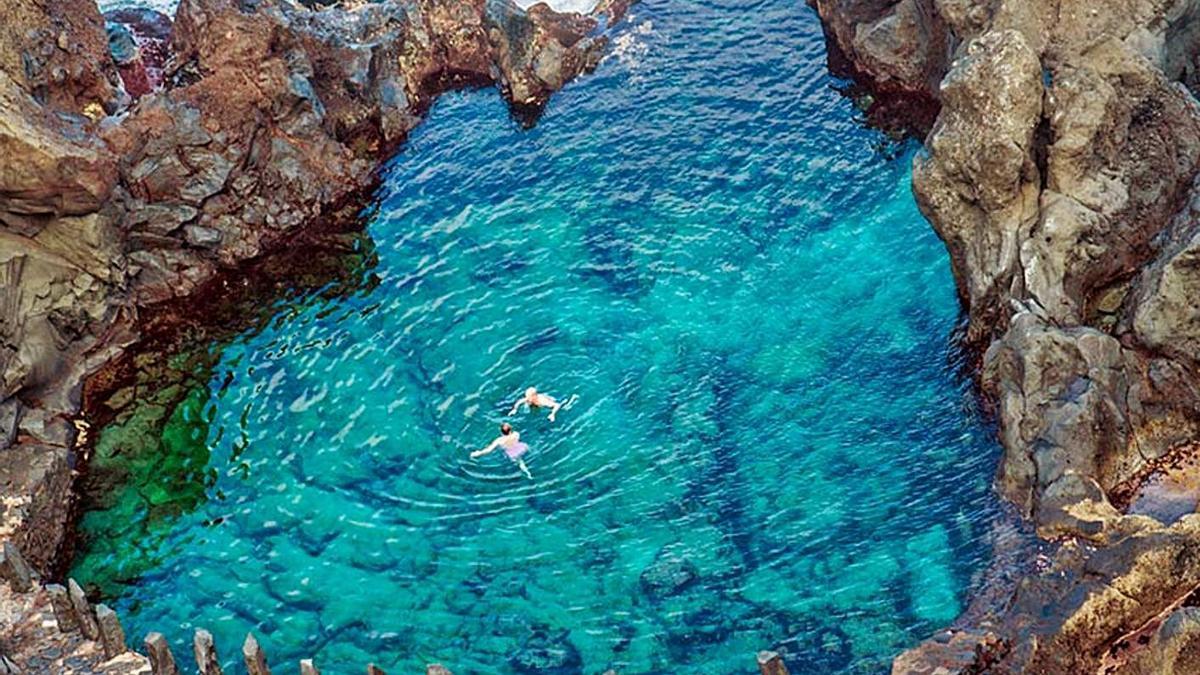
(554, 410)
(516, 405)
(480, 453)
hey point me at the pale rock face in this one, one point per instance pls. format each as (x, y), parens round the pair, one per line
(577, 6)
(977, 182)
(1063, 173)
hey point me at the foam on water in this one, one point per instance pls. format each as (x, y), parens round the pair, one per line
(771, 446)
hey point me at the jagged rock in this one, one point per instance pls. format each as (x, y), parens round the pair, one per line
(1126, 146)
(1057, 390)
(112, 636)
(255, 658)
(307, 668)
(203, 237)
(57, 51)
(10, 416)
(900, 48)
(61, 172)
(64, 611)
(36, 480)
(1173, 650)
(771, 663)
(205, 652)
(978, 184)
(83, 611)
(162, 661)
(1165, 314)
(13, 568)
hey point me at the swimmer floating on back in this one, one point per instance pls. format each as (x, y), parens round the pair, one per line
(535, 399)
(510, 440)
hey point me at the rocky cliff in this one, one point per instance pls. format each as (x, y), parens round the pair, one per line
(1062, 172)
(208, 141)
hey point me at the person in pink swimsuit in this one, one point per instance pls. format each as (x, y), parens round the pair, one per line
(510, 440)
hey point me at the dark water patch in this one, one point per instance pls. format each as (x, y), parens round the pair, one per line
(701, 244)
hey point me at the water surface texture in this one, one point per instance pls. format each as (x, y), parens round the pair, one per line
(770, 448)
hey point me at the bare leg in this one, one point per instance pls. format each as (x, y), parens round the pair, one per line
(521, 463)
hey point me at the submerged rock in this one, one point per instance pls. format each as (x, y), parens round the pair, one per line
(270, 118)
(1063, 173)
(668, 575)
(547, 652)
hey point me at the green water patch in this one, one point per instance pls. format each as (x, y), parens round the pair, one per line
(772, 444)
(151, 462)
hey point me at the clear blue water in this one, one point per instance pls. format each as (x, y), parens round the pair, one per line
(771, 446)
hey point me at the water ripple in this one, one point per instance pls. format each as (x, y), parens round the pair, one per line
(769, 447)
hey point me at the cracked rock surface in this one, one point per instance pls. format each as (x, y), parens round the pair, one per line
(1062, 173)
(221, 137)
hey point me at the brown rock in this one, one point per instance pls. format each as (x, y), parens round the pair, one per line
(206, 653)
(255, 658)
(57, 50)
(162, 661)
(771, 663)
(14, 570)
(37, 481)
(979, 182)
(112, 636)
(64, 611)
(83, 611)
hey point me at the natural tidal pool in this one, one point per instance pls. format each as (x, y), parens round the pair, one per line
(772, 447)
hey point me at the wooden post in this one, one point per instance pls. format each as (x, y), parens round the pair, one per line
(14, 569)
(256, 660)
(205, 652)
(307, 667)
(112, 636)
(83, 611)
(162, 661)
(771, 663)
(64, 613)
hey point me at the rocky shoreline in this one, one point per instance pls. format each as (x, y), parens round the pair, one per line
(1062, 171)
(135, 189)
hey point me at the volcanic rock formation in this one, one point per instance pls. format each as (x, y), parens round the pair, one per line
(1063, 174)
(250, 122)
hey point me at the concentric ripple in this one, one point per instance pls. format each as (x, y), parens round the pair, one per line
(770, 446)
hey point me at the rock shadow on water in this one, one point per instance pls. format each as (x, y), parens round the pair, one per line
(611, 260)
(547, 652)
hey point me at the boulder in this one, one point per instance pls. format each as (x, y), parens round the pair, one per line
(668, 575)
(57, 52)
(547, 652)
(978, 181)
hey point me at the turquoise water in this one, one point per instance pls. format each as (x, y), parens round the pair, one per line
(771, 446)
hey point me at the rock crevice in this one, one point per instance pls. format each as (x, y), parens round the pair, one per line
(210, 141)
(1061, 172)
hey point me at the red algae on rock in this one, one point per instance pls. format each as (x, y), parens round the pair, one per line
(252, 125)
